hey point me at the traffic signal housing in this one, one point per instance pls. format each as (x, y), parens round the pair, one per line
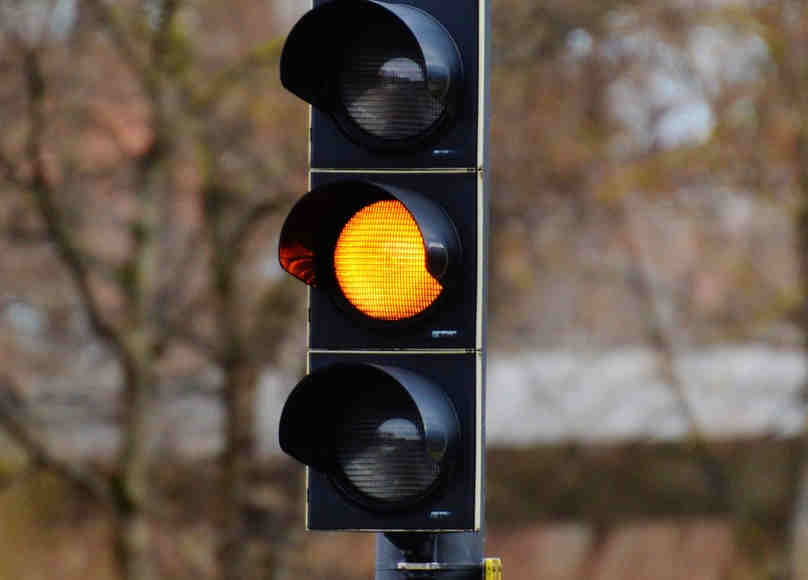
(392, 85)
(391, 242)
(388, 441)
(392, 259)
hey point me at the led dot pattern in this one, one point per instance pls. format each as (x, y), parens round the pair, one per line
(388, 96)
(381, 448)
(380, 263)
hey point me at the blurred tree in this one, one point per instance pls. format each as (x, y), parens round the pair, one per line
(137, 149)
(790, 20)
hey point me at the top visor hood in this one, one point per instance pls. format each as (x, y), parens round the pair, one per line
(314, 50)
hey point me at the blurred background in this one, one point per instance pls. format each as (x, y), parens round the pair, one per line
(649, 263)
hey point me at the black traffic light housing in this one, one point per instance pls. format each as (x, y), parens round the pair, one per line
(389, 419)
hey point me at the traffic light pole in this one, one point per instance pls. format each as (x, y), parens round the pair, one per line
(444, 556)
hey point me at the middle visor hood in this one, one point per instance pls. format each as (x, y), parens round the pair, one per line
(312, 227)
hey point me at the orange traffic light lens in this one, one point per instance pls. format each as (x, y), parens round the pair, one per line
(380, 263)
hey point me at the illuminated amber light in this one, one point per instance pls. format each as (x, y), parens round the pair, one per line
(380, 263)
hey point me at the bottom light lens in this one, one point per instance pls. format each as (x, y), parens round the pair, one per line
(381, 450)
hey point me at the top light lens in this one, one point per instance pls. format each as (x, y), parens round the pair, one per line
(388, 97)
(380, 263)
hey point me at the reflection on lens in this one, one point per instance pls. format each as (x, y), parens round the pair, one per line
(381, 450)
(388, 96)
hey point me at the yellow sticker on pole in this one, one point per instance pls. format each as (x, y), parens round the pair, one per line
(492, 569)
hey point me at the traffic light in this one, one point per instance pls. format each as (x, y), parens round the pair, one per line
(391, 241)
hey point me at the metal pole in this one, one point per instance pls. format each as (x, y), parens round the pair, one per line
(426, 556)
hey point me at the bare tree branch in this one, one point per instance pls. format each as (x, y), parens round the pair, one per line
(660, 336)
(249, 221)
(176, 327)
(8, 172)
(795, 76)
(17, 428)
(239, 392)
(174, 316)
(118, 33)
(263, 56)
(161, 39)
(23, 474)
(55, 223)
(664, 345)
